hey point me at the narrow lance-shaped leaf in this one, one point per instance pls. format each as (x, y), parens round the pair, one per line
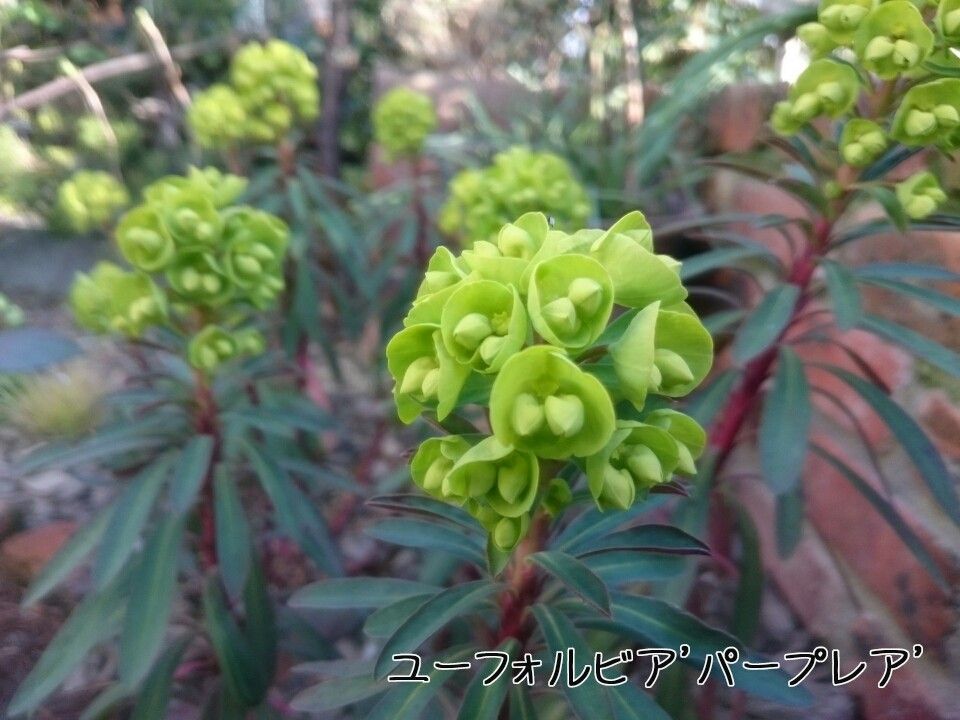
(765, 324)
(154, 583)
(785, 424)
(842, 286)
(918, 446)
(189, 472)
(576, 577)
(920, 345)
(357, 593)
(129, 515)
(431, 617)
(154, 695)
(483, 702)
(232, 534)
(588, 700)
(889, 513)
(68, 557)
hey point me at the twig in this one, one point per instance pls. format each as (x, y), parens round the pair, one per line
(160, 50)
(95, 105)
(107, 69)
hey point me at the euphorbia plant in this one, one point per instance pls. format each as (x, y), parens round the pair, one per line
(516, 181)
(175, 569)
(551, 369)
(882, 94)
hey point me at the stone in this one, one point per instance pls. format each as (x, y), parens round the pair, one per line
(25, 553)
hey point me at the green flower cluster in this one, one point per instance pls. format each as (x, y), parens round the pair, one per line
(904, 44)
(89, 199)
(272, 89)
(518, 181)
(402, 119)
(199, 263)
(521, 325)
(11, 314)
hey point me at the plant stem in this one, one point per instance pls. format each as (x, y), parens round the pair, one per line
(421, 250)
(524, 585)
(206, 423)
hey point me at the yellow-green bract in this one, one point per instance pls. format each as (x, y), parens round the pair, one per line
(194, 256)
(89, 199)
(518, 180)
(519, 327)
(402, 120)
(272, 90)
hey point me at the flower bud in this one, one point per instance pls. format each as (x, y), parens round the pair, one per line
(510, 531)
(471, 330)
(816, 37)
(564, 414)
(920, 194)
(617, 490)
(878, 49)
(528, 415)
(210, 347)
(947, 116)
(644, 466)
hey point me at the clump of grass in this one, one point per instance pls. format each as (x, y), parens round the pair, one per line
(60, 403)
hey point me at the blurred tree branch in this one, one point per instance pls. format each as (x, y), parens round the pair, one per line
(338, 58)
(107, 69)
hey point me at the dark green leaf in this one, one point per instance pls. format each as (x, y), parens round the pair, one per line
(746, 616)
(384, 622)
(576, 577)
(92, 621)
(631, 703)
(589, 700)
(920, 345)
(664, 625)
(232, 533)
(908, 433)
(904, 271)
(409, 700)
(707, 403)
(244, 675)
(521, 705)
(260, 627)
(483, 702)
(722, 257)
(842, 286)
(357, 593)
(429, 535)
(766, 323)
(105, 703)
(129, 515)
(785, 424)
(431, 617)
(646, 538)
(337, 693)
(296, 514)
(154, 582)
(889, 513)
(625, 567)
(938, 300)
(154, 696)
(789, 520)
(189, 472)
(76, 549)
(427, 507)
